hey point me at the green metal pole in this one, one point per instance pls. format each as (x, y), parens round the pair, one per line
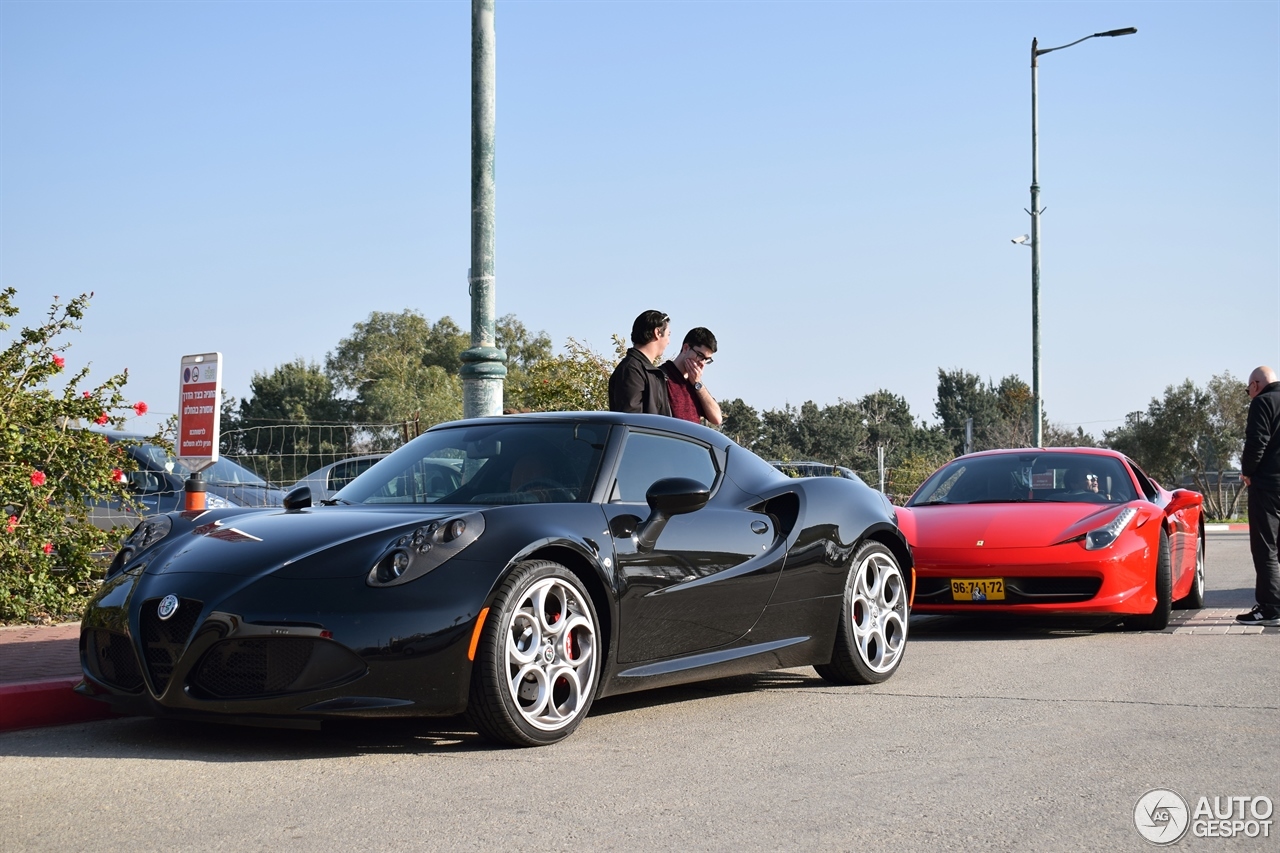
(1035, 211)
(1038, 408)
(483, 365)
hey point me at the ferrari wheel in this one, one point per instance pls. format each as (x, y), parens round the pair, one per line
(1194, 600)
(873, 620)
(538, 658)
(1158, 619)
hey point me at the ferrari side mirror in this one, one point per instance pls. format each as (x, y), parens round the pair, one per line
(1181, 499)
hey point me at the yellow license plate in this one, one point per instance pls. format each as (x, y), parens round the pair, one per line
(977, 589)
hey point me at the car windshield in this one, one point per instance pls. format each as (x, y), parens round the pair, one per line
(1032, 476)
(514, 463)
(224, 472)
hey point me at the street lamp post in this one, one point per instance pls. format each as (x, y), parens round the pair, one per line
(1035, 212)
(483, 371)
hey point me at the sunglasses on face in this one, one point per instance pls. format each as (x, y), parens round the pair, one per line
(701, 356)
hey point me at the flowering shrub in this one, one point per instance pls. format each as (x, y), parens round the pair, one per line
(50, 555)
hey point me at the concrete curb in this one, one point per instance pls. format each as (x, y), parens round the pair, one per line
(47, 703)
(1222, 528)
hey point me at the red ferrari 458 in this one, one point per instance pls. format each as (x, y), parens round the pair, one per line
(1061, 530)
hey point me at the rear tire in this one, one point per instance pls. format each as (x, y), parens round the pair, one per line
(873, 620)
(1194, 599)
(1158, 619)
(538, 659)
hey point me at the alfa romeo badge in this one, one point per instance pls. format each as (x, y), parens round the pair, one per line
(168, 606)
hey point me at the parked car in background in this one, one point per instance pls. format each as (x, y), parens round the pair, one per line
(326, 481)
(514, 568)
(158, 485)
(1055, 530)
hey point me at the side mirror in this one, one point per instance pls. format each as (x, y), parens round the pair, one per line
(1183, 498)
(299, 498)
(667, 497)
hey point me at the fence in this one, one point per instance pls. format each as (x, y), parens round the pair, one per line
(285, 453)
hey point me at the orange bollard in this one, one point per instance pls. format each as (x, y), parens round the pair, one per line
(195, 492)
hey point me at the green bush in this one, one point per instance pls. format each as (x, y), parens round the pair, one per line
(575, 382)
(51, 557)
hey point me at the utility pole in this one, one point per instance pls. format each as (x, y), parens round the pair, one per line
(1035, 211)
(483, 365)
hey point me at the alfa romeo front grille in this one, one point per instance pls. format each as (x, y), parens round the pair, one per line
(163, 640)
(110, 658)
(273, 666)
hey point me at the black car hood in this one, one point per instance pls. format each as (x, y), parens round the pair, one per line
(313, 543)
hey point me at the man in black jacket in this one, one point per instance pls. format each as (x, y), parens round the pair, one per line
(1260, 471)
(637, 385)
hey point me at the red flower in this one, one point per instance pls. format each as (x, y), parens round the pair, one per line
(37, 478)
(87, 395)
(117, 476)
(140, 407)
(59, 362)
(12, 525)
(101, 419)
(47, 547)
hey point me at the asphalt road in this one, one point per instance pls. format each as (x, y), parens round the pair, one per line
(993, 735)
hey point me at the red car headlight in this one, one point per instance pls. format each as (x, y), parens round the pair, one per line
(1103, 536)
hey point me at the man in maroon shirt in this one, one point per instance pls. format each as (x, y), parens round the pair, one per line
(690, 399)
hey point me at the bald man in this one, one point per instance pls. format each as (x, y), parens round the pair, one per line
(1260, 471)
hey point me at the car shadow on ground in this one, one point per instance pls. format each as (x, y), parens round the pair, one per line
(780, 679)
(1008, 626)
(189, 740)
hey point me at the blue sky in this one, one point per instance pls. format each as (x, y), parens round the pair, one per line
(831, 187)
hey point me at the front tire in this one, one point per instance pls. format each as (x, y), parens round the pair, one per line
(1194, 599)
(538, 659)
(873, 620)
(1158, 619)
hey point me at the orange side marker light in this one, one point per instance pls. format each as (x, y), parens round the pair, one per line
(475, 634)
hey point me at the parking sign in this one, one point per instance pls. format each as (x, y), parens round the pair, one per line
(199, 413)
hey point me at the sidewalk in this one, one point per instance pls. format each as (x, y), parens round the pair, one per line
(39, 666)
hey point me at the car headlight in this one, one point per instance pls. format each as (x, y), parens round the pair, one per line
(146, 534)
(1104, 536)
(412, 555)
(212, 501)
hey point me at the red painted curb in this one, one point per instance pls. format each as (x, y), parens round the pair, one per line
(47, 703)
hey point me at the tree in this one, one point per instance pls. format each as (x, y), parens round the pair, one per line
(1003, 414)
(399, 366)
(740, 422)
(292, 423)
(912, 450)
(1190, 431)
(780, 436)
(848, 434)
(50, 468)
(961, 396)
(524, 351)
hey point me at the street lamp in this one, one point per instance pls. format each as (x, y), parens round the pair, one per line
(1035, 212)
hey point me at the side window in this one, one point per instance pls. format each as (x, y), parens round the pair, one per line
(1148, 488)
(345, 472)
(648, 458)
